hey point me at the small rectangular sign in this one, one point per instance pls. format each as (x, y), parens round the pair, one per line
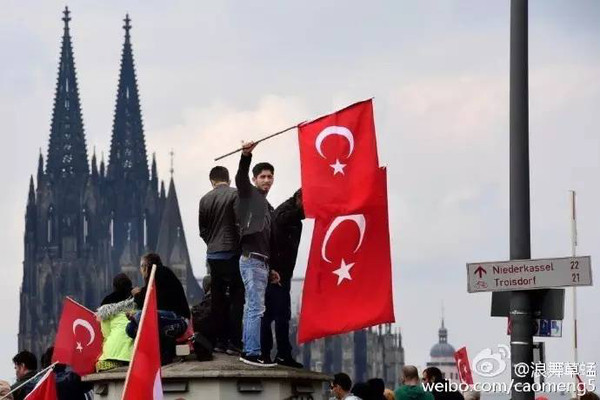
(543, 327)
(529, 274)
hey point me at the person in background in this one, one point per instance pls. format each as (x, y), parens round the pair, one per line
(378, 387)
(340, 387)
(25, 368)
(434, 375)
(117, 346)
(68, 384)
(173, 309)
(219, 230)
(5, 390)
(363, 391)
(287, 230)
(411, 388)
(388, 394)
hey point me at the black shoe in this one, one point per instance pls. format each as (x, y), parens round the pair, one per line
(233, 350)
(257, 361)
(219, 348)
(288, 362)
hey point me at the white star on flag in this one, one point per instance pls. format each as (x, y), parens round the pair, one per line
(338, 167)
(343, 272)
(79, 347)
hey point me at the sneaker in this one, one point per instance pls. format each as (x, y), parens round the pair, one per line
(257, 361)
(288, 362)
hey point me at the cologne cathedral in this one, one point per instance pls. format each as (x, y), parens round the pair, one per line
(87, 221)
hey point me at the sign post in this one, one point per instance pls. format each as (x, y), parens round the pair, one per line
(529, 274)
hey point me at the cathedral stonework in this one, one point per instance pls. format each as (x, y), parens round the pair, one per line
(86, 223)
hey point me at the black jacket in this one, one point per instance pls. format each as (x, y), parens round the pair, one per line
(287, 230)
(25, 390)
(217, 219)
(252, 204)
(169, 293)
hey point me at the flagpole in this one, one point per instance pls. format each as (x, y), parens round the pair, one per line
(258, 141)
(29, 380)
(289, 129)
(142, 321)
(573, 253)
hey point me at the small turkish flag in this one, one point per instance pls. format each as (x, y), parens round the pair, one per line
(79, 338)
(45, 388)
(348, 284)
(463, 366)
(338, 157)
(143, 377)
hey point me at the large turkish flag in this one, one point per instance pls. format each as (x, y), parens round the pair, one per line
(143, 377)
(79, 338)
(348, 283)
(45, 388)
(338, 157)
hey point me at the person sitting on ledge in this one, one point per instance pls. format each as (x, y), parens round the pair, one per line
(117, 346)
(173, 308)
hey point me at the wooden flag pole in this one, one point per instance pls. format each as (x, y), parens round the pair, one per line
(258, 141)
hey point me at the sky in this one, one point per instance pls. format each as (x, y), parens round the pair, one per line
(211, 74)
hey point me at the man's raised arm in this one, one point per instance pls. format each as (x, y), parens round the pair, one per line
(242, 181)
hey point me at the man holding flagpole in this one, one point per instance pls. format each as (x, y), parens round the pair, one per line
(255, 215)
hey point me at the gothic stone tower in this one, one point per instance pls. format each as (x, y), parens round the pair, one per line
(83, 226)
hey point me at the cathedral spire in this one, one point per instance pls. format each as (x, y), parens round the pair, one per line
(31, 197)
(40, 171)
(128, 158)
(94, 167)
(67, 154)
(154, 175)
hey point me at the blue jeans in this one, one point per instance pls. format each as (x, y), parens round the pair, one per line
(255, 275)
(170, 324)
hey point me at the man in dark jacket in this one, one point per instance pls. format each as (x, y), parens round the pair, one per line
(68, 384)
(287, 230)
(25, 368)
(254, 213)
(173, 308)
(219, 230)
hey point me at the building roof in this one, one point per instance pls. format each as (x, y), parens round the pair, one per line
(442, 348)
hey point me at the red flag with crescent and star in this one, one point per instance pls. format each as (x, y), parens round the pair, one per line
(463, 366)
(144, 377)
(45, 389)
(348, 283)
(78, 339)
(338, 157)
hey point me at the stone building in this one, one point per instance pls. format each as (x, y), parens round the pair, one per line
(86, 222)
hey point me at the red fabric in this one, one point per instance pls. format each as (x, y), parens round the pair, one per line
(79, 338)
(346, 138)
(143, 377)
(463, 366)
(334, 302)
(45, 388)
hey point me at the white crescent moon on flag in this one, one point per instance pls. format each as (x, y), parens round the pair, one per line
(358, 219)
(85, 324)
(335, 130)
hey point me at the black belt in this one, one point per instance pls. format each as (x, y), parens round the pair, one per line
(256, 256)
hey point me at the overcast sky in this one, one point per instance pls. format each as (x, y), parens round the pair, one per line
(213, 73)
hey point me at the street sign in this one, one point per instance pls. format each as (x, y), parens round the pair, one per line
(543, 327)
(529, 274)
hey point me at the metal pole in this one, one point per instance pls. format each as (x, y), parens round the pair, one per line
(521, 338)
(574, 253)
